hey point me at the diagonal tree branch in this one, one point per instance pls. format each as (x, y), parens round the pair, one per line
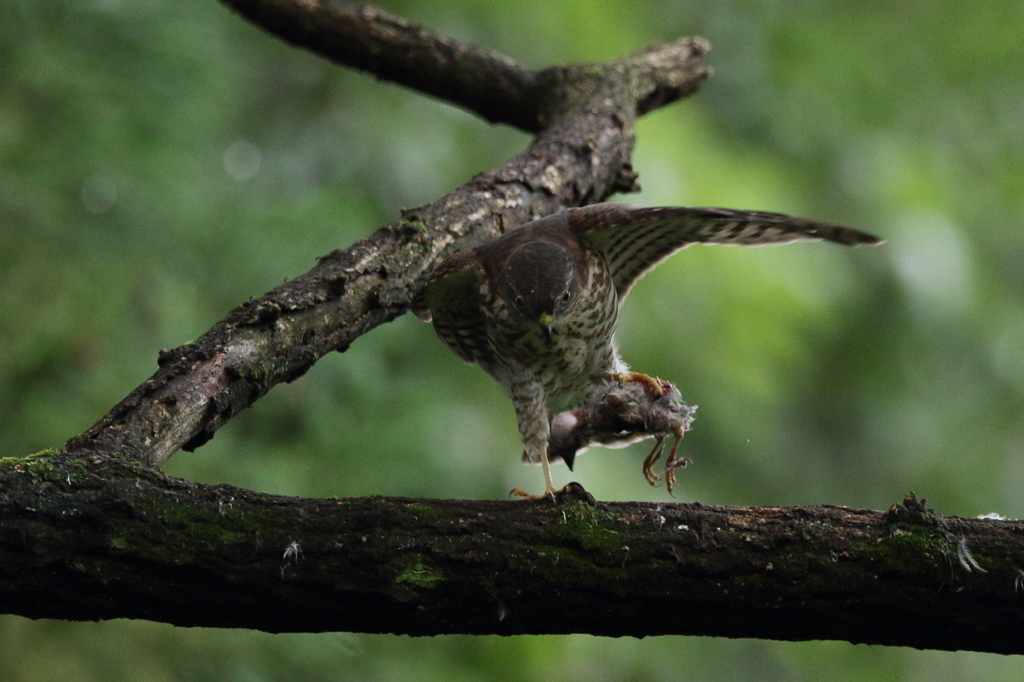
(112, 540)
(489, 84)
(583, 157)
(391, 48)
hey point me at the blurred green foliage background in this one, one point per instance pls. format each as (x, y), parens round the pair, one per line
(162, 162)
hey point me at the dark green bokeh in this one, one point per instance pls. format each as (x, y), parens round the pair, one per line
(162, 162)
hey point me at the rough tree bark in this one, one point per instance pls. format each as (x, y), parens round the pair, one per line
(96, 532)
(100, 538)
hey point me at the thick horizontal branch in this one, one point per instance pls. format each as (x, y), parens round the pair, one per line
(582, 158)
(104, 539)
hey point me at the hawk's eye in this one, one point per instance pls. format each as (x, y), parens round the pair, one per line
(565, 296)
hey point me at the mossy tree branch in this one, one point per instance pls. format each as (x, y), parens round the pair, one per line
(97, 539)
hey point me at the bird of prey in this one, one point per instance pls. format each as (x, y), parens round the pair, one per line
(536, 308)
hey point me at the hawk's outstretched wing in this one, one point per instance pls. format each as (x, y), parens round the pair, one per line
(634, 239)
(451, 299)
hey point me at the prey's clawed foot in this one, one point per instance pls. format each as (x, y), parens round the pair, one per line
(672, 463)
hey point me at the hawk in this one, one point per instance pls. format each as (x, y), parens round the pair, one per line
(536, 307)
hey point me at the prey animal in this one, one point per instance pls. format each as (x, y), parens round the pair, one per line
(624, 409)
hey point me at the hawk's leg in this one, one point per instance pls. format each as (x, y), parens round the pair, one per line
(530, 402)
(655, 387)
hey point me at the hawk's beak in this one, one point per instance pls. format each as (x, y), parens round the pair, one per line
(545, 321)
